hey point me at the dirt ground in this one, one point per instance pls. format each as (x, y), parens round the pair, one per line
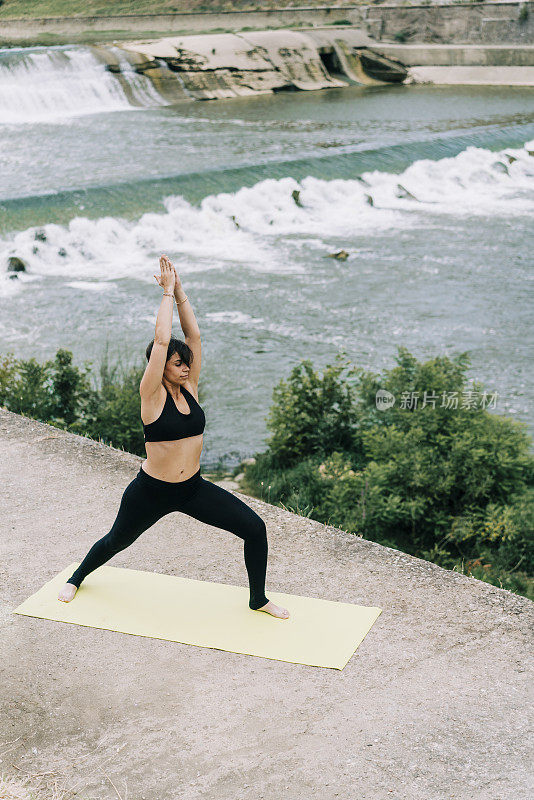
(433, 705)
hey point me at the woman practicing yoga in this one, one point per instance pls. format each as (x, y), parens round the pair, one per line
(169, 479)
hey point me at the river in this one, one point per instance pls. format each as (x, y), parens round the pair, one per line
(441, 262)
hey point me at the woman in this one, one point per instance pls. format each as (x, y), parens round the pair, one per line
(169, 479)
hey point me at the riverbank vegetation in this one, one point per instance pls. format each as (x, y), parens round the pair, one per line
(47, 39)
(415, 458)
(412, 459)
(87, 8)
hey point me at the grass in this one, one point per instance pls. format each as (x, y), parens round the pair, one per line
(89, 37)
(31, 9)
(29, 788)
(44, 786)
(54, 784)
(77, 8)
(97, 37)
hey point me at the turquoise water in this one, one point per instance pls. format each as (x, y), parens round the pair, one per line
(441, 262)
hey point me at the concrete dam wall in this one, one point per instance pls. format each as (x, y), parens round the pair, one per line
(212, 66)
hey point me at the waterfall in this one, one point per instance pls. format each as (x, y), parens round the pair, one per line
(47, 84)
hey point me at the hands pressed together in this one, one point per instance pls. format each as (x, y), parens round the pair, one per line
(168, 279)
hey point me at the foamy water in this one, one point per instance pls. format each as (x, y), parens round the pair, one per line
(250, 226)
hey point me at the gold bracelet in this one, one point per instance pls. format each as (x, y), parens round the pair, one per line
(165, 294)
(181, 301)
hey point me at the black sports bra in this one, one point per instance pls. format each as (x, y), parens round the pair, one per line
(172, 424)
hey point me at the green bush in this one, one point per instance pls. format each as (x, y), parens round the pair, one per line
(450, 484)
(49, 392)
(311, 415)
(106, 408)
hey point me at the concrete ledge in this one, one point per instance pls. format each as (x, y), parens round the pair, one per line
(474, 76)
(430, 707)
(451, 55)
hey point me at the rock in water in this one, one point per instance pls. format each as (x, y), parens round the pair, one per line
(341, 255)
(16, 264)
(404, 194)
(295, 194)
(498, 166)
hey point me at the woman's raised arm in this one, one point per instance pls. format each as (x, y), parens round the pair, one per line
(164, 319)
(188, 320)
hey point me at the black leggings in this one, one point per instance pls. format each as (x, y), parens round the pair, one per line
(146, 499)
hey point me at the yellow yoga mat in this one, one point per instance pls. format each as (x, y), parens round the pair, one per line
(321, 633)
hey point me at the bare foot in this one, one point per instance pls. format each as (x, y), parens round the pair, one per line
(67, 593)
(276, 611)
